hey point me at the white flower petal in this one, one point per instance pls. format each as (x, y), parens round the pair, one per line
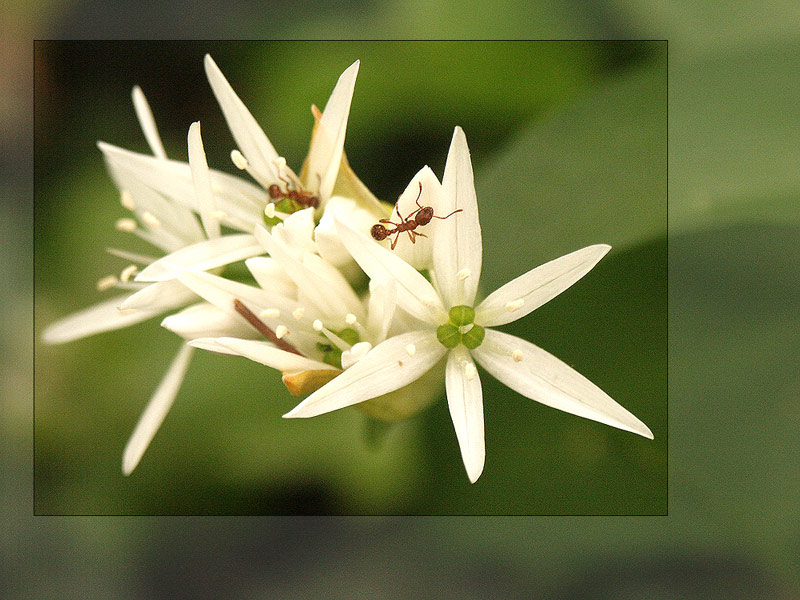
(457, 243)
(297, 231)
(202, 256)
(206, 320)
(202, 182)
(325, 154)
(414, 293)
(544, 378)
(270, 275)
(327, 295)
(419, 254)
(222, 292)
(327, 239)
(147, 122)
(252, 141)
(263, 352)
(528, 292)
(465, 400)
(156, 410)
(177, 219)
(242, 201)
(382, 304)
(160, 296)
(95, 319)
(387, 367)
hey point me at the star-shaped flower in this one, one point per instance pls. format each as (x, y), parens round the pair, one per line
(452, 327)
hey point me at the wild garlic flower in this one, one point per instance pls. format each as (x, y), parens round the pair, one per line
(168, 196)
(452, 328)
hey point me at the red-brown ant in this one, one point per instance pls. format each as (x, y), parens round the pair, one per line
(301, 197)
(422, 216)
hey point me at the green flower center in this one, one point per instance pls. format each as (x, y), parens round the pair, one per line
(461, 329)
(331, 355)
(284, 205)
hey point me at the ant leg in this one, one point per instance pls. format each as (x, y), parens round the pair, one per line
(411, 235)
(394, 241)
(416, 233)
(418, 197)
(389, 222)
(450, 215)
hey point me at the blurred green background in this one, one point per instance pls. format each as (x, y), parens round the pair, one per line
(734, 283)
(225, 449)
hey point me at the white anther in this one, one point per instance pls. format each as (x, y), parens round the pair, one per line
(411, 349)
(517, 355)
(280, 331)
(106, 283)
(270, 313)
(317, 325)
(219, 214)
(128, 272)
(298, 313)
(463, 274)
(350, 319)
(280, 163)
(125, 225)
(126, 200)
(269, 210)
(514, 305)
(150, 219)
(470, 371)
(239, 160)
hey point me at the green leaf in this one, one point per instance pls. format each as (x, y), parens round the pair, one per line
(735, 153)
(595, 172)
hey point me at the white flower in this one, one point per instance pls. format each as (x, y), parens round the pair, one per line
(166, 196)
(258, 156)
(452, 328)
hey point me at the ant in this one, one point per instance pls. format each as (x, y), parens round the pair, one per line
(301, 197)
(422, 216)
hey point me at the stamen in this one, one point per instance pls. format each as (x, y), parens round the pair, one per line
(280, 331)
(463, 274)
(269, 210)
(126, 200)
(262, 328)
(411, 349)
(514, 304)
(125, 225)
(336, 340)
(106, 283)
(317, 325)
(316, 112)
(280, 163)
(517, 355)
(150, 219)
(470, 371)
(350, 319)
(239, 160)
(271, 313)
(298, 312)
(128, 272)
(219, 214)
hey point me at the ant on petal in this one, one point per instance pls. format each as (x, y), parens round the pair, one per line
(422, 216)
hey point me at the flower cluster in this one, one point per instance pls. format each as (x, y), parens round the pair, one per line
(311, 241)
